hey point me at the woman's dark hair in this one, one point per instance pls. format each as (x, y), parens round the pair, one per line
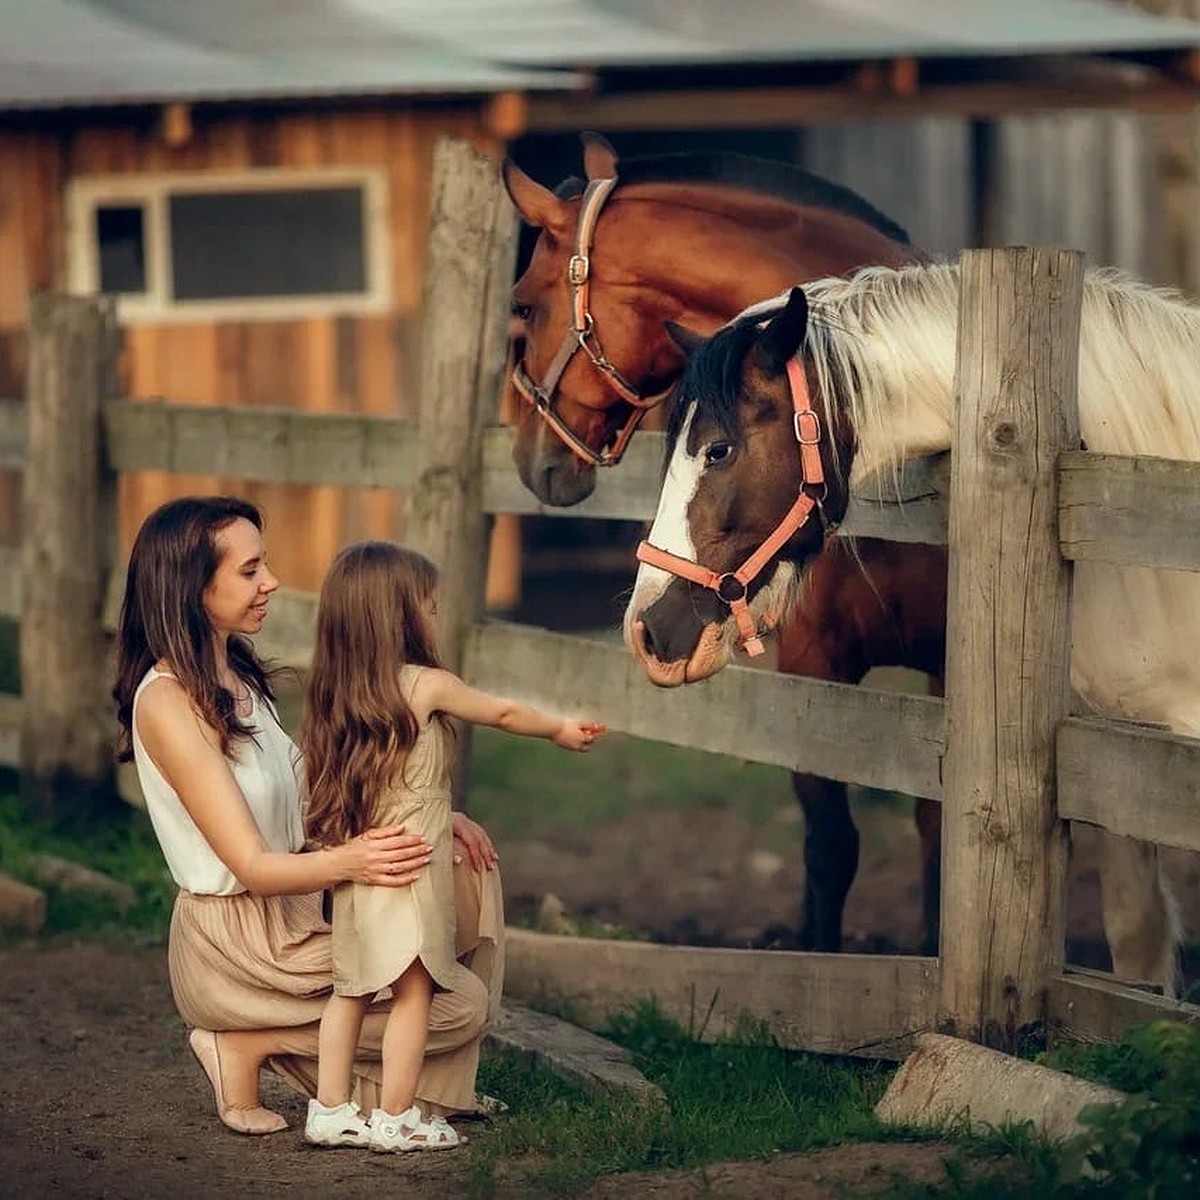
(174, 558)
(358, 726)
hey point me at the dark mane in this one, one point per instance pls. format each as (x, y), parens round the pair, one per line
(764, 176)
(713, 378)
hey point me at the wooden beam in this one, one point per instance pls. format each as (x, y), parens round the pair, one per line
(269, 444)
(12, 435)
(1105, 1011)
(1140, 783)
(776, 107)
(1008, 640)
(1134, 512)
(879, 739)
(831, 1003)
(10, 582)
(10, 730)
(68, 539)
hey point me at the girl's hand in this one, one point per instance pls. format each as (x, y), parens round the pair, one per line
(471, 841)
(578, 735)
(386, 857)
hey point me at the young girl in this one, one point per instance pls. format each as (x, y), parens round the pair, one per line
(376, 747)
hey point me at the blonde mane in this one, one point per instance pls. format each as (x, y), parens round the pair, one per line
(884, 344)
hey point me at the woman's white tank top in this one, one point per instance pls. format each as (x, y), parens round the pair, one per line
(267, 771)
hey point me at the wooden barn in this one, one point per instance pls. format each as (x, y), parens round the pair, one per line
(252, 180)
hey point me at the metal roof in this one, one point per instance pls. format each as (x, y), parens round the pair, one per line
(66, 53)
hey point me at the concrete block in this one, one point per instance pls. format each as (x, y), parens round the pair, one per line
(946, 1079)
(21, 906)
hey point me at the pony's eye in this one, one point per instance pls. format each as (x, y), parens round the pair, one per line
(717, 452)
(521, 311)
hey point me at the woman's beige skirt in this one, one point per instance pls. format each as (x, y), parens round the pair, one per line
(265, 962)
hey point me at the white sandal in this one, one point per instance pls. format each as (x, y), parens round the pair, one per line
(410, 1131)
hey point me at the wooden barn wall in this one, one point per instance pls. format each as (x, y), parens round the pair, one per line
(1083, 180)
(359, 363)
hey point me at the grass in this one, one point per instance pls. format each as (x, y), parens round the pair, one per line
(738, 1099)
(122, 846)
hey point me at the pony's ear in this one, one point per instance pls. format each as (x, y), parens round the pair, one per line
(688, 340)
(537, 205)
(599, 157)
(784, 334)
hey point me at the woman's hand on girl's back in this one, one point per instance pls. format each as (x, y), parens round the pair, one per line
(578, 735)
(386, 857)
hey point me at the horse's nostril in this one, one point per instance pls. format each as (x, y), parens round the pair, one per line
(648, 643)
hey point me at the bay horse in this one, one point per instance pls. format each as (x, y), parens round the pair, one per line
(694, 239)
(876, 353)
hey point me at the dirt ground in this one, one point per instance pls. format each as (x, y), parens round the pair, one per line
(101, 1099)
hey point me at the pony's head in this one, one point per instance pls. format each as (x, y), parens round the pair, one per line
(582, 312)
(752, 485)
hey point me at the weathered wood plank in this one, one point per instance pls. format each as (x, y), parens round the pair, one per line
(267, 444)
(68, 540)
(1141, 783)
(471, 249)
(10, 581)
(879, 739)
(832, 1003)
(1105, 1010)
(1008, 639)
(628, 492)
(12, 435)
(1133, 511)
(10, 730)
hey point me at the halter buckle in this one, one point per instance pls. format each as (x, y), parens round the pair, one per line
(730, 581)
(808, 427)
(578, 267)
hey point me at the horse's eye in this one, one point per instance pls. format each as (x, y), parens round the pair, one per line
(521, 311)
(717, 452)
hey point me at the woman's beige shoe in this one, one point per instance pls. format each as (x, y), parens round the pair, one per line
(254, 1121)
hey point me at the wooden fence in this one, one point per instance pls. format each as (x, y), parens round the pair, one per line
(1019, 491)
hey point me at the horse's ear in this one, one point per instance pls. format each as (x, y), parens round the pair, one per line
(687, 340)
(784, 334)
(537, 205)
(599, 156)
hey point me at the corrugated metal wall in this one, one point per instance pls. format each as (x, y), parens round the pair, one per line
(1082, 180)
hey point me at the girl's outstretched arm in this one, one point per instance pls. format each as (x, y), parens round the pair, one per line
(443, 691)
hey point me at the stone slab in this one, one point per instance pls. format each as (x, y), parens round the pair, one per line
(21, 907)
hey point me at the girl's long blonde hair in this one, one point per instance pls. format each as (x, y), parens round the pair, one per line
(358, 726)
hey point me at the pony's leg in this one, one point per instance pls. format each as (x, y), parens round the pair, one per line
(928, 817)
(1141, 919)
(830, 859)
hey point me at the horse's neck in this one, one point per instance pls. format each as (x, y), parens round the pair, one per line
(717, 250)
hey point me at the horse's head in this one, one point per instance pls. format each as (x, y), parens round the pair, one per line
(589, 371)
(751, 483)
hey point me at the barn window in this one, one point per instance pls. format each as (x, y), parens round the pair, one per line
(219, 246)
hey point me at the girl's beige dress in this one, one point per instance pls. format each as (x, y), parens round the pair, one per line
(379, 932)
(239, 961)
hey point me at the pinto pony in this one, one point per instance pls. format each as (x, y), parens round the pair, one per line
(873, 387)
(695, 239)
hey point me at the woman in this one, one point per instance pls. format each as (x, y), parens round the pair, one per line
(249, 952)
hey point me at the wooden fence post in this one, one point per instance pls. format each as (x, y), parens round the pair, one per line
(67, 548)
(1007, 671)
(464, 338)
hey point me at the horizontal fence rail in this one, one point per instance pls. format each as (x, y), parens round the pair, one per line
(1124, 511)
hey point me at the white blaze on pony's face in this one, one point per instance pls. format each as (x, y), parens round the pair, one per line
(670, 530)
